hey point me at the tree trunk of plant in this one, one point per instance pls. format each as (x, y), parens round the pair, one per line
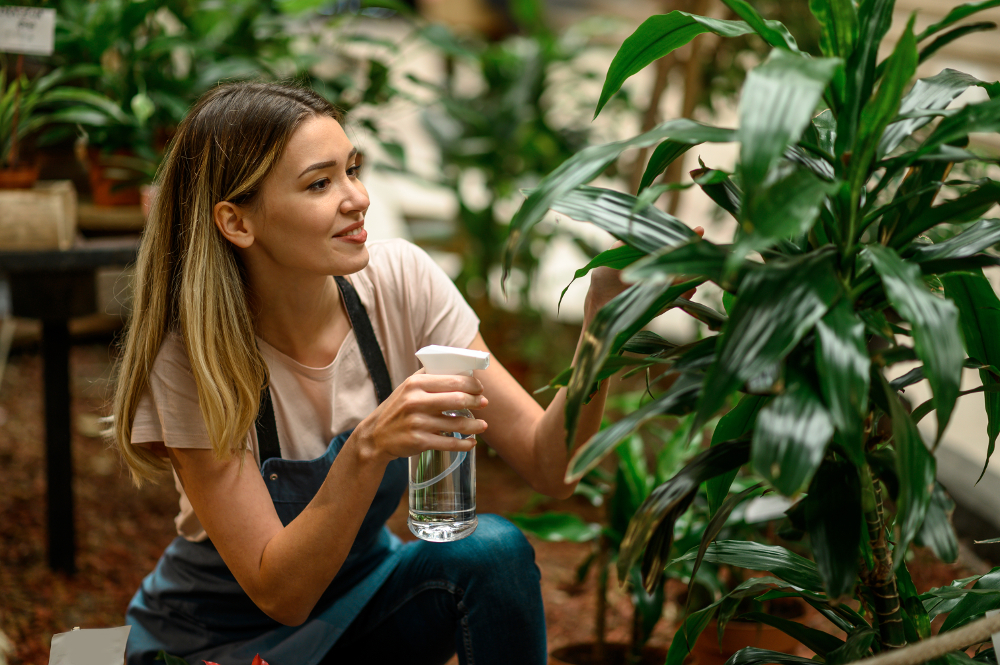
(652, 116)
(14, 157)
(880, 579)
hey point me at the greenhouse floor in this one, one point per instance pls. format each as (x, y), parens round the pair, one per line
(122, 531)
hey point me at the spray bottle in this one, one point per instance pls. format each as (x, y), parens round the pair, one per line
(443, 482)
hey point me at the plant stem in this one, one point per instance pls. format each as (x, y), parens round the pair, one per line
(881, 580)
(600, 623)
(12, 158)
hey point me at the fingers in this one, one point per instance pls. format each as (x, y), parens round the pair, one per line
(441, 383)
(433, 441)
(700, 231)
(467, 426)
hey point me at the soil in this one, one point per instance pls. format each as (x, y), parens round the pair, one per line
(121, 531)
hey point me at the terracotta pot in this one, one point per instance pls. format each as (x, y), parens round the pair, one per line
(21, 177)
(614, 654)
(106, 183)
(738, 635)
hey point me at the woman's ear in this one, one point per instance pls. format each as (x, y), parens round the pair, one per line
(232, 224)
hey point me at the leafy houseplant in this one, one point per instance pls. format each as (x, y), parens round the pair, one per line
(844, 170)
(35, 107)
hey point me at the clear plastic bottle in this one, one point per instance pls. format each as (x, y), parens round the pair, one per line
(443, 482)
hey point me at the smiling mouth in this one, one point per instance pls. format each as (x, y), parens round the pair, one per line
(353, 232)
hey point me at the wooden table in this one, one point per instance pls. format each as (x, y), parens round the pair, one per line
(55, 286)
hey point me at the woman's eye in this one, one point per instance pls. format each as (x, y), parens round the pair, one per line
(320, 184)
(354, 171)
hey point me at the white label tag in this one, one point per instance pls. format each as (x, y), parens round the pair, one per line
(29, 30)
(95, 646)
(996, 636)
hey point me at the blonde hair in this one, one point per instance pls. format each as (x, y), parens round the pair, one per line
(188, 277)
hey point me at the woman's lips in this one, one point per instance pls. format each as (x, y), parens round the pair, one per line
(357, 235)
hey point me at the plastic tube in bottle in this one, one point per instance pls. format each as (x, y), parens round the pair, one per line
(443, 482)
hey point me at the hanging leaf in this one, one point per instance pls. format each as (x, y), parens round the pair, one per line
(857, 647)
(683, 392)
(952, 35)
(982, 235)
(734, 425)
(617, 258)
(979, 314)
(816, 640)
(776, 105)
(974, 606)
(773, 32)
(838, 22)
(957, 14)
(655, 38)
(965, 208)
(648, 342)
(790, 439)
(935, 327)
(725, 194)
(833, 517)
(981, 117)
(916, 471)
(937, 531)
(665, 504)
(843, 369)
(794, 569)
(929, 94)
(778, 304)
(557, 527)
(612, 365)
(755, 656)
(697, 257)
(647, 229)
(586, 165)
(668, 151)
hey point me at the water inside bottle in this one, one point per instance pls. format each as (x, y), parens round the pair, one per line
(445, 509)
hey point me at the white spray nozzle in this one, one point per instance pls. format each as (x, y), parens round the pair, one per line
(452, 360)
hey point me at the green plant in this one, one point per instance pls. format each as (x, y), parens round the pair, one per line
(36, 107)
(830, 280)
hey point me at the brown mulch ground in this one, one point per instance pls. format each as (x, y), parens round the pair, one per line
(121, 531)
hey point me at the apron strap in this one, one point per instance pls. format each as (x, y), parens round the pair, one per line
(267, 428)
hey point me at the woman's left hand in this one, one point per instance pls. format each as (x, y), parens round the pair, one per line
(606, 283)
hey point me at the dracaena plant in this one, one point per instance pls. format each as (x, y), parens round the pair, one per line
(845, 171)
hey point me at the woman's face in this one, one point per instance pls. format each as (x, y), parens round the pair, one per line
(312, 207)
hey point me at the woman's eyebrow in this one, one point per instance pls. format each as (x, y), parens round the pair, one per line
(328, 163)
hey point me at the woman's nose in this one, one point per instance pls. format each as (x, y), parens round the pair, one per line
(357, 198)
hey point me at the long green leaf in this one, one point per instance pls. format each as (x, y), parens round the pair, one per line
(697, 257)
(772, 32)
(648, 229)
(935, 327)
(614, 318)
(979, 314)
(957, 14)
(838, 21)
(916, 470)
(778, 304)
(981, 117)
(928, 94)
(975, 605)
(880, 111)
(787, 565)
(777, 104)
(665, 504)
(816, 640)
(662, 157)
(755, 656)
(586, 165)
(832, 510)
(734, 425)
(967, 207)
(953, 35)
(655, 38)
(684, 391)
(557, 527)
(612, 365)
(617, 258)
(725, 194)
(937, 531)
(843, 367)
(981, 235)
(790, 439)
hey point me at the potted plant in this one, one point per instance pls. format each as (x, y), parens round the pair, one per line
(831, 279)
(35, 107)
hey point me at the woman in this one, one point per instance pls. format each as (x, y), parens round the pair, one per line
(266, 333)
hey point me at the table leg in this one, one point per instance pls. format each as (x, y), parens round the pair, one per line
(58, 452)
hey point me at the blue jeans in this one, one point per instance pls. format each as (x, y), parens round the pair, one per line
(480, 597)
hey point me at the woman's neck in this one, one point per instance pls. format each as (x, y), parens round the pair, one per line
(302, 318)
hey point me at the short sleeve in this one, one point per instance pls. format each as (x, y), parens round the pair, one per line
(442, 314)
(168, 411)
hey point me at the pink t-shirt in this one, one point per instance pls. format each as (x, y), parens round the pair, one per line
(411, 303)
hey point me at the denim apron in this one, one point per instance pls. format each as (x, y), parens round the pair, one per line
(191, 604)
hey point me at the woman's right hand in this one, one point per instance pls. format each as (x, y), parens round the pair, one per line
(411, 421)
